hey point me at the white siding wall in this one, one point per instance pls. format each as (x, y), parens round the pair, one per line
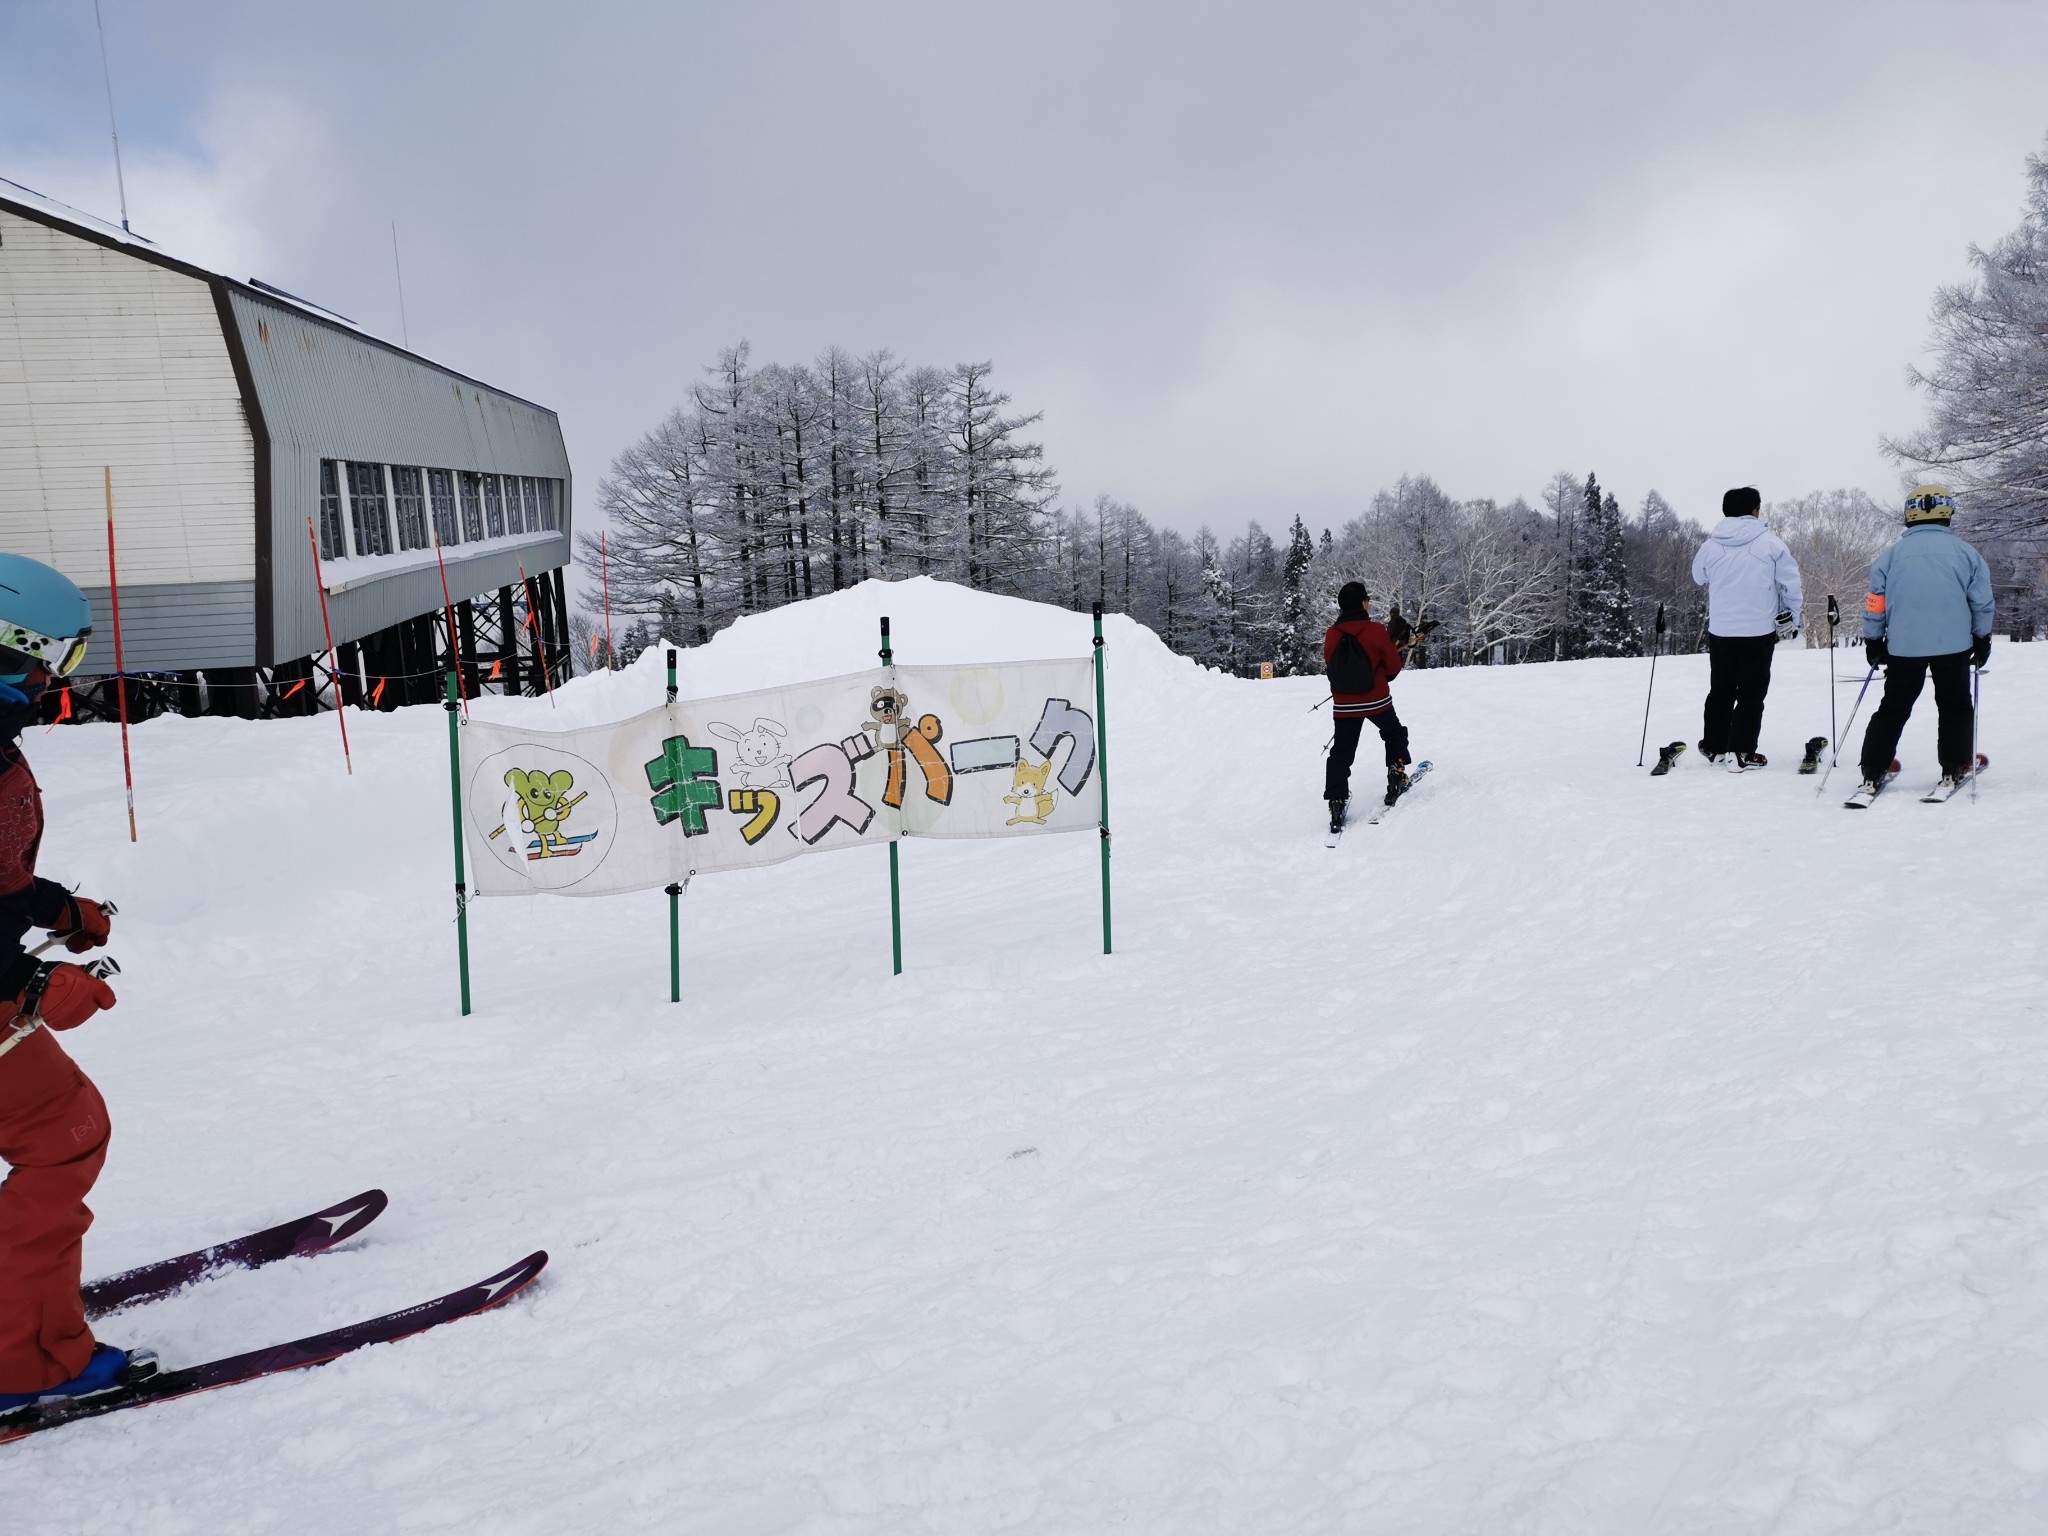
(109, 360)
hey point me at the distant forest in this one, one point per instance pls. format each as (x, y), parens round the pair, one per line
(776, 483)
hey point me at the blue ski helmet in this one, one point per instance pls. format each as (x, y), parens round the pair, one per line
(44, 619)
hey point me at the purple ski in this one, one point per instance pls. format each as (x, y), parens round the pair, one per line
(315, 1350)
(290, 1240)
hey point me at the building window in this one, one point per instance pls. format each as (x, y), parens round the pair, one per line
(409, 505)
(472, 505)
(494, 508)
(441, 492)
(546, 491)
(333, 543)
(515, 511)
(369, 516)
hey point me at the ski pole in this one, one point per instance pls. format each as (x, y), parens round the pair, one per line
(1976, 677)
(54, 939)
(1845, 731)
(1656, 645)
(1834, 618)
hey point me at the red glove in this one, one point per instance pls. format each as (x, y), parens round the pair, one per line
(70, 995)
(84, 925)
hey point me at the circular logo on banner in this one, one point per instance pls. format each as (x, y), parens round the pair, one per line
(977, 694)
(545, 814)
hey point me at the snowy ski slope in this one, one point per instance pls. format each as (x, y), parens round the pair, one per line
(1576, 1152)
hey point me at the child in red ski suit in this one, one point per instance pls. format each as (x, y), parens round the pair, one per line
(53, 1123)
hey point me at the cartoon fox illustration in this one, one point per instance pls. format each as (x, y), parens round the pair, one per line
(1032, 799)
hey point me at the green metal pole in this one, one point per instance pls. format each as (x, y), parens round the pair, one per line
(1102, 767)
(675, 891)
(461, 886)
(895, 885)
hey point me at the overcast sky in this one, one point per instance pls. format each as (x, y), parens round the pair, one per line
(1250, 260)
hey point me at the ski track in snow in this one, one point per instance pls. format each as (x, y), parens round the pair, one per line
(1575, 1152)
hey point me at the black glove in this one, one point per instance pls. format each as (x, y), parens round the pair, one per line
(1876, 653)
(1980, 651)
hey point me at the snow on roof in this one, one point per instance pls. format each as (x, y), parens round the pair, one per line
(100, 229)
(43, 206)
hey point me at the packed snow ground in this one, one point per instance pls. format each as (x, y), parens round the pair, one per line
(1576, 1152)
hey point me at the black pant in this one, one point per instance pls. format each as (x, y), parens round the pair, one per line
(1903, 677)
(1739, 675)
(1337, 776)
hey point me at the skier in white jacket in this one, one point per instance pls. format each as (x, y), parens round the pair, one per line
(1753, 600)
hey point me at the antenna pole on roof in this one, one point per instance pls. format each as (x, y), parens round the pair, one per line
(404, 331)
(120, 181)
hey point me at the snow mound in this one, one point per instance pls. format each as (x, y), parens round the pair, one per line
(932, 623)
(1576, 1151)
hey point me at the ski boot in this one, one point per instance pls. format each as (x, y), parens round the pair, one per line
(1870, 789)
(108, 1370)
(1337, 809)
(1743, 762)
(1810, 763)
(1711, 757)
(1397, 782)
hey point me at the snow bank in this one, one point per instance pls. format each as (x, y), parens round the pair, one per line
(1576, 1151)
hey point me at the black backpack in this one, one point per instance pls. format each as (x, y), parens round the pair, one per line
(1350, 669)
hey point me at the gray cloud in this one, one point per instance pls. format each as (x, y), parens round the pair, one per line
(1251, 261)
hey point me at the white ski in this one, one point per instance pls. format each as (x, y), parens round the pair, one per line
(1940, 793)
(1413, 774)
(1864, 794)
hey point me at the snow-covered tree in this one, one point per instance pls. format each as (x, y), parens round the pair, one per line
(1603, 622)
(1295, 644)
(1987, 429)
(1834, 535)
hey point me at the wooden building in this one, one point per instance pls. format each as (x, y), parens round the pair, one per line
(244, 426)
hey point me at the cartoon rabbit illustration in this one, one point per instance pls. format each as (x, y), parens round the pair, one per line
(758, 759)
(1032, 799)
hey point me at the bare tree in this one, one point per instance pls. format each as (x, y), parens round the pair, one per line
(1834, 535)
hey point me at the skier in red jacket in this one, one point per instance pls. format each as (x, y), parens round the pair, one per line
(53, 1123)
(1361, 659)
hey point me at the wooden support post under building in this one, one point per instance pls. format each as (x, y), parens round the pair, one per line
(350, 682)
(508, 640)
(465, 624)
(568, 667)
(544, 625)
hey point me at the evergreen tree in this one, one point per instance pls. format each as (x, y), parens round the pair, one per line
(1603, 621)
(1293, 649)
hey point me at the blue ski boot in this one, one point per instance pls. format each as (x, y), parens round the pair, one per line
(107, 1369)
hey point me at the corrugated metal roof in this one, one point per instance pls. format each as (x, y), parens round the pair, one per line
(37, 205)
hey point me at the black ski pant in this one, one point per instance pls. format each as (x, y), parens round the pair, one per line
(1393, 734)
(1903, 679)
(1738, 677)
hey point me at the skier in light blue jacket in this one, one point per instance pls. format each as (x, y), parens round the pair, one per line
(1753, 600)
(1929, 613)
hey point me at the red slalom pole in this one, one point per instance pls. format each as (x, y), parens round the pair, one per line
(454, 644)
(120, 673)
(333, 666)
(604, 567)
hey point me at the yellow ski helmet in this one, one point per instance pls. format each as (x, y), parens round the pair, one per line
(1929, 504)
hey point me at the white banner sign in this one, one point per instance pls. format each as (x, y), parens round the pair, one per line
(754, 778)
